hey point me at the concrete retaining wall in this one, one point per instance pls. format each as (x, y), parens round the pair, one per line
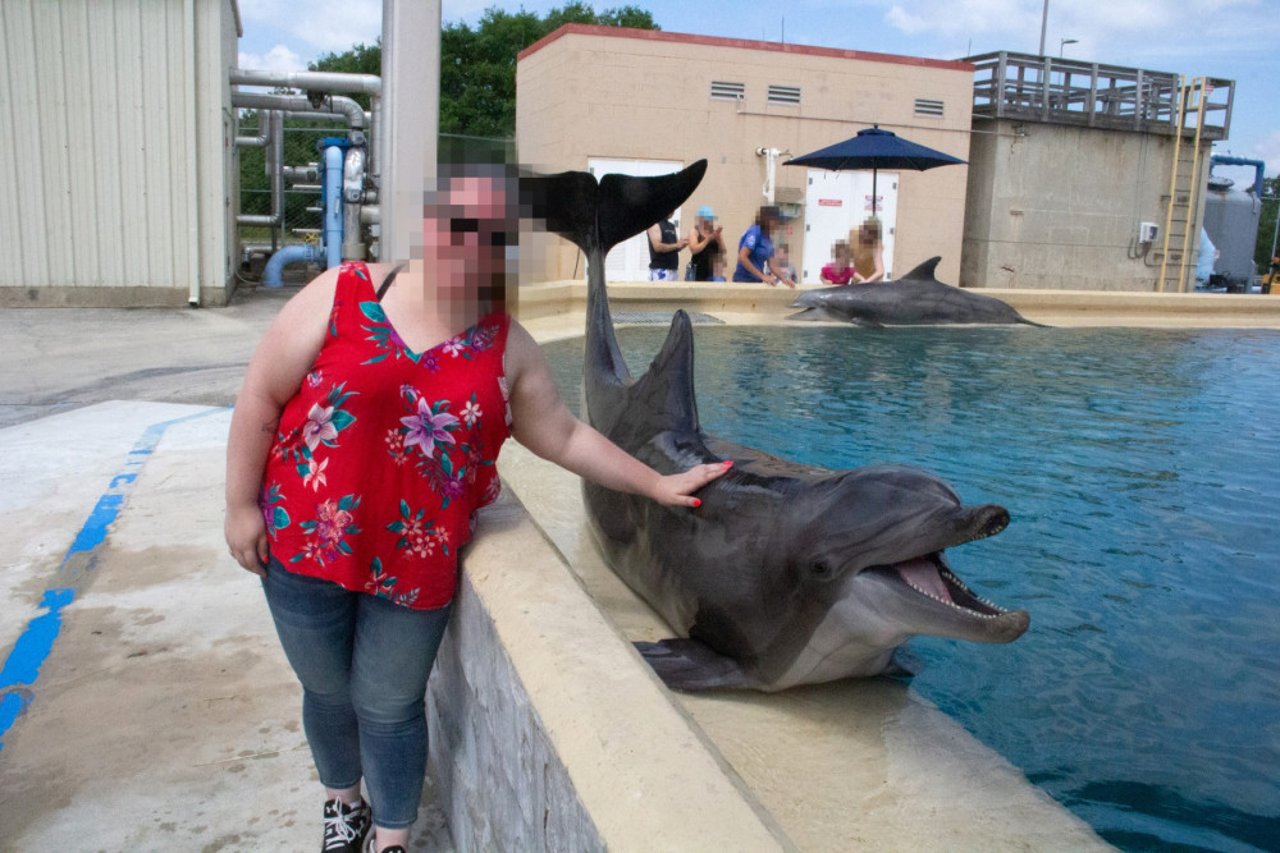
(548, 733)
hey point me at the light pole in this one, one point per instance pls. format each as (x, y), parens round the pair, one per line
(1044, 22)
(1062, 43)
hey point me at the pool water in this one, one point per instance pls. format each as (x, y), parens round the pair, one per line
(1140, 468)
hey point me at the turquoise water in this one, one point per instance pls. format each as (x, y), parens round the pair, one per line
(1141, 472)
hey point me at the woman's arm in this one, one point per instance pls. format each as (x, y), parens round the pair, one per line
(276, 370)
(696, 241)
(542, 423)
(744, 257)
(878, 273)
(655, 240)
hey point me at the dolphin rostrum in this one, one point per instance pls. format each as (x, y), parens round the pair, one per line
(786, 574)
(916, 299)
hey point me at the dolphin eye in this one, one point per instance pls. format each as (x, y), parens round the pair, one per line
(820, 569)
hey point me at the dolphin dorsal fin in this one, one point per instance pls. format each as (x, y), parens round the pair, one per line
(668, 384)
(924, 272)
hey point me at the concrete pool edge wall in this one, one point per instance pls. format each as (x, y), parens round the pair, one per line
(757, 303)
(547, 732)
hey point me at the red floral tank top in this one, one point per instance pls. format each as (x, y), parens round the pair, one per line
(384, 455)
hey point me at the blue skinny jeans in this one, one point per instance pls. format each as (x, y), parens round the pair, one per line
(363, 663)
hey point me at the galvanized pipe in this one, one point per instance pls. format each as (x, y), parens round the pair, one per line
(316, 81)
(352, 196)
(338, 105)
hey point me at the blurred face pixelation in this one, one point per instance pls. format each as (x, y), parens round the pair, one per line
(470, 231)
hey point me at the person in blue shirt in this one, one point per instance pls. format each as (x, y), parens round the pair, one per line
(756, 248)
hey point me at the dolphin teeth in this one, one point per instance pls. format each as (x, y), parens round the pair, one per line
(948, 576)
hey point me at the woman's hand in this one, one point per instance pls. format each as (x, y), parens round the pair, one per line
(246, 533)
(678, 489)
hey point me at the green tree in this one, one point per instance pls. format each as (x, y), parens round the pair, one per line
(478, 64)
(1267, 223)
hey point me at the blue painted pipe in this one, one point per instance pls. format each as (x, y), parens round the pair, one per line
(272, 275)
(332, 189)
(1227, 160)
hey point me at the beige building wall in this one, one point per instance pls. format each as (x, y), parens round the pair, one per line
(1052, 206)
(116, 116)
(595, 92)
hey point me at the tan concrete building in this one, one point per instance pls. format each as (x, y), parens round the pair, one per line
(1079, 177)
(650, 102)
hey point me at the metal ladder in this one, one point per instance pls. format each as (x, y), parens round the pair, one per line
(1184, 189)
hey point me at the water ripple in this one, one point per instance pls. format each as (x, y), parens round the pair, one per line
(1140, 470)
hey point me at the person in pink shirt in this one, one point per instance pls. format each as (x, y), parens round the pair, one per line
(840, 270)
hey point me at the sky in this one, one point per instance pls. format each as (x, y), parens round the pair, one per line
(1234, 39)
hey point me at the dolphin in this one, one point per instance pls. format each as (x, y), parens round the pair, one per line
(787, 574)
(916, 299)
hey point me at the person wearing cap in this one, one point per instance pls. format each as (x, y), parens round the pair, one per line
(705, 243)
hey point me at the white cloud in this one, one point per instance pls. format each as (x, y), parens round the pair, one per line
(325, 25)
(1268, 151)
(279, 58)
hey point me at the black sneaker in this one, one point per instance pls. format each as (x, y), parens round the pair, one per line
(372, 847)
(345, 827)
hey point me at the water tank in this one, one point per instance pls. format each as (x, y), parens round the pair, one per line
(1231, 218)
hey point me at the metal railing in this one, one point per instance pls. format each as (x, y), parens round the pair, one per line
(1088, 94)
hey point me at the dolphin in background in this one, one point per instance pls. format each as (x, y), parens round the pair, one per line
(916, 299)
(787, 574)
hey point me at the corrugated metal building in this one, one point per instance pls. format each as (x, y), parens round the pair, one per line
(116, 118)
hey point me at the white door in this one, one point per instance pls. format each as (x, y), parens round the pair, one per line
(629, 260)
(838, 202)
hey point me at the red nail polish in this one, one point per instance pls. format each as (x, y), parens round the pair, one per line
(696, 503)
(728, 463)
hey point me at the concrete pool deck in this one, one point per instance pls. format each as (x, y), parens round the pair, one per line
(162, 713)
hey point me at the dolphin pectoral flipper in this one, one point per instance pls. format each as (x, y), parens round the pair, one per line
(689, 665)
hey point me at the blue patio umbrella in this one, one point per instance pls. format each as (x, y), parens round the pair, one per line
(874, 149)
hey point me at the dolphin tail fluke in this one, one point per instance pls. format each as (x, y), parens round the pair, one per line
(689, 665)
(565, 203)
(629, 205)
(923, 272)
(602, 215)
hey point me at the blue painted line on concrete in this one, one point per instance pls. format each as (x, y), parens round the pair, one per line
(22, 666)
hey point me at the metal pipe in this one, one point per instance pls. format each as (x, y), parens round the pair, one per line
(352, 195)
(338, 105)
(1227, 160)
(333, 157)
(255, 219)
(315, 114)
(302, 174)
(193, 180)
(1044, 24)
(277, 177)
(272, 274)
(315, 81)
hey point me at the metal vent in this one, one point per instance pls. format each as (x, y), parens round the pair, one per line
(724, 91)
(926, 107)
(658, 318)
(789, 95)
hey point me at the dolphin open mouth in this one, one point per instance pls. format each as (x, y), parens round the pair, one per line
(931, 577)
